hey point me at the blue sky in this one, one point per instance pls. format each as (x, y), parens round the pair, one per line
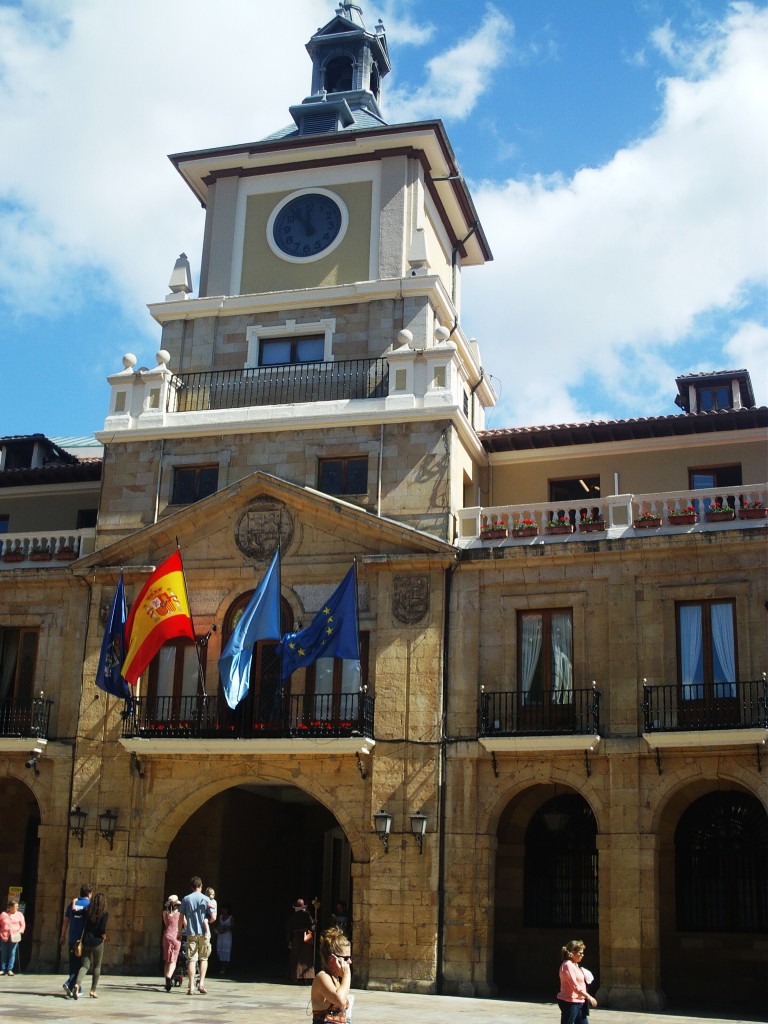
(615, 150)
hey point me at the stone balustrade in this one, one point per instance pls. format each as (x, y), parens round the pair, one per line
(615, 515)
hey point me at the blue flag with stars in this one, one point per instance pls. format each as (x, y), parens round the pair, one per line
(259, 621)
(333, 633)
(112, 655)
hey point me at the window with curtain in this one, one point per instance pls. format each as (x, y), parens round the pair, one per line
(332, 686)
(18, 661)
(173, 677)
(545, 656)
(706, 641)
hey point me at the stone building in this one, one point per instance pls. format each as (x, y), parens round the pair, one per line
(562, 628)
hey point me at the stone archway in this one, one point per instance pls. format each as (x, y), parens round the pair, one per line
(554, 833)
(261, 846)
(19, 851)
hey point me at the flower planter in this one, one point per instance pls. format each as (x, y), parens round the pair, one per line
(40, 556)
(553, 531)
(13, 556)
(683, 519)
(725, 515)
(592, 527)
(648, 524)
(498, 534)
(525, 531)
(753, 513)
(65, 556)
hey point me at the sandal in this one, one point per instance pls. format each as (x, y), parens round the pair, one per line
(93, 995)
(202, 991)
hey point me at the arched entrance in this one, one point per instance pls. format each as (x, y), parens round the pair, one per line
(19, 851)
(262, 846)
(546, 889)
(714, 901)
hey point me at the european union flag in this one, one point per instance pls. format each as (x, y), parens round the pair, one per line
(259, 621)
(333, 633)
(112, 655)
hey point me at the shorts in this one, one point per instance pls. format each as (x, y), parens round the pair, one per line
(198, 947)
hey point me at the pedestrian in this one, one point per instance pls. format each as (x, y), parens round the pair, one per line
(94, 937)
(340, 919)
(171, 943)
(330, 996)
(12, 927)
(224, 939)
(573, 985)
(72, 928)
(300, 932)
(193, 918)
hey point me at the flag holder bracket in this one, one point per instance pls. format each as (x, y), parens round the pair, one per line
(136, 765)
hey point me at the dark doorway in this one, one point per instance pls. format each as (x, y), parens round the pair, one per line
(261, 847)
(19, 853)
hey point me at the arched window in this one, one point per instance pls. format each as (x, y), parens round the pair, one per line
(338, 75)
(721, 864)
(560, 883)
(262, 703)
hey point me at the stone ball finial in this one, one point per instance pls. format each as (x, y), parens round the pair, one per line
(163, 357)
(441, 334)
(405, 337)
(129, 360)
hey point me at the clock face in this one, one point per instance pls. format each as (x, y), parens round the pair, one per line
(306, 226)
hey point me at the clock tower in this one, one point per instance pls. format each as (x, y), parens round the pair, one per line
(328, 318)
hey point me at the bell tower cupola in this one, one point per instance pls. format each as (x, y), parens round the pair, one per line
(348, 65)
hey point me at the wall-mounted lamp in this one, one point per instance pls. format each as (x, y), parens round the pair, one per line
(107, 823)
(419, 828)
(32, 762)
(136, 765)
(382, 822)
(77, 823)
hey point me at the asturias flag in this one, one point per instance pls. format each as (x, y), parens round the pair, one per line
(159, 613)
(259, 621)
(333, 632)
(112, 655)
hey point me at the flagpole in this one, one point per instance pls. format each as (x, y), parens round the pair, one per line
(200, 670)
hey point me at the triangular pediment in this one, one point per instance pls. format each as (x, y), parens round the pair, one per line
(239, 527)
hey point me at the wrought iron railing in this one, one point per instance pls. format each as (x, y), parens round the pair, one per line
(279, 385)
(25, 718)
(515, 713)
(209, 717)
(696, 706)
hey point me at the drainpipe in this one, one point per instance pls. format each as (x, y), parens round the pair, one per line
(381, 460)
(442, 795)
(159, 479)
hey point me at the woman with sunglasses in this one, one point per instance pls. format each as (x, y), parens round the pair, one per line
(573, 985)
(331, 1001)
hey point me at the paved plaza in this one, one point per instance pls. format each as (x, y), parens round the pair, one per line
(37, 998)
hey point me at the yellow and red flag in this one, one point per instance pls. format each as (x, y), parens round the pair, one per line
(159, 613)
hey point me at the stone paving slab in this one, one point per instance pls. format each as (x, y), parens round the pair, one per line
(35, 998)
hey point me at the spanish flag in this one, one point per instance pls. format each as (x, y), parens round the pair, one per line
(159, 613)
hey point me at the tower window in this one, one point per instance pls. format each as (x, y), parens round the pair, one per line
(191, 483)
(343, 476)
(338, 75)
(277, 351)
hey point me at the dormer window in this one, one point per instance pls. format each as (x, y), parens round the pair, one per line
(713, 399)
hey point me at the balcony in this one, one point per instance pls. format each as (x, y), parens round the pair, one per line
(717, 714)
(25, 720)
(324, 723)
(514, 720)
(617, 516)
(41, 549)
(278, 385)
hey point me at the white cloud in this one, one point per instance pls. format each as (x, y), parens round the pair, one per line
(457, 78)
(605, 274)
(748, 349)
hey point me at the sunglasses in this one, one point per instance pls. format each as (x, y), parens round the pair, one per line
(347, 958)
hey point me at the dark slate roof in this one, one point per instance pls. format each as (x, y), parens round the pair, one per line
(362, 119)
(604, 431)
(83, 470)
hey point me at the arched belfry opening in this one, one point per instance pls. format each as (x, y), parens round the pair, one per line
(546, 889)
(339, 75)
(261, 846)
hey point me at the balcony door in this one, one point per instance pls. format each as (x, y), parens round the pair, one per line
(707, 666)
(545, 672)
(332, 689)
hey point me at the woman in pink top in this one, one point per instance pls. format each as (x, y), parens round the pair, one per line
(171, 942)
(12, 927)
(573, 985)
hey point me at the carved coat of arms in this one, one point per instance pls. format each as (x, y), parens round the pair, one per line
(262, 526)
(410, 598)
